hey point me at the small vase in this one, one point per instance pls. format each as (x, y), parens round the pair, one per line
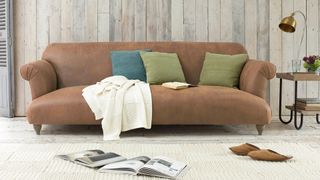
(318, 71)
(296, 64)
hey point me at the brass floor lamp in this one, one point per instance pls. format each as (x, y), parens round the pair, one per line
(288, 24)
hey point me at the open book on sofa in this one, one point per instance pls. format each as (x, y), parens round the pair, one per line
(158, 166)
(177, 85)
(92, 158)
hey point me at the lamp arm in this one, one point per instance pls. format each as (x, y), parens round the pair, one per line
(303, 31)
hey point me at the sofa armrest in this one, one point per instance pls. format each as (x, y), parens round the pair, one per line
(255, 75)
(41, 76)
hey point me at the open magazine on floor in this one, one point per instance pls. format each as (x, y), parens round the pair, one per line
(92, 158)
(159, 166)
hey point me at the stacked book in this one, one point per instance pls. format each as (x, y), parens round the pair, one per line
(308, 104)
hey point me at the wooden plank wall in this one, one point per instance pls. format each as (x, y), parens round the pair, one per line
(253, 23)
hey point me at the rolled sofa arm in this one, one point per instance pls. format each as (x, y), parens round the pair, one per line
(41, 76)
(255, 75)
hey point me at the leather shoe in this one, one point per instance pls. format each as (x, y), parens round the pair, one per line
(267, 155)
(243, 149)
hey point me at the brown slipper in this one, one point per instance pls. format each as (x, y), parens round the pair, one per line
(243, 149)
(268, 155)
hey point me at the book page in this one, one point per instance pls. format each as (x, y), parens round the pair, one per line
(130, 166)
(163, 167)
(73, 156)
(100, 160)
(175, 85)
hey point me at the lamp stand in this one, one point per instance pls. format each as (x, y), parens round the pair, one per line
(303, 31)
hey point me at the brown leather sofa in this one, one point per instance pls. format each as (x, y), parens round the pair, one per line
(57, 80)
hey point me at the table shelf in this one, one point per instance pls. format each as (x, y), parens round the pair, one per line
(306, 112)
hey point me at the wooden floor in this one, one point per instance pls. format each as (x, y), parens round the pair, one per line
(17, 130)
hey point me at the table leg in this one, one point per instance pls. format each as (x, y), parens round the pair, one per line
(296, 122)
(295, 108)
(280, 107)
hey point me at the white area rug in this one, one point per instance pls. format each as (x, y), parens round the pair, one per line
(206, 161)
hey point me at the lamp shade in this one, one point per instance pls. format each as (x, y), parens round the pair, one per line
(288, 24)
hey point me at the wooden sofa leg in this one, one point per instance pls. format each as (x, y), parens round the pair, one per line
(260, 129)
(37, 128)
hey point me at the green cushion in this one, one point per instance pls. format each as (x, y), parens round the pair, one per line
(222, 70)
(162, 67)
(128, 64)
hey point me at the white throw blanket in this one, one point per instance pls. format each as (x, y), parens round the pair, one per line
(122, 105)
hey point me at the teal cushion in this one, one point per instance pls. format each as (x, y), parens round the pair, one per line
(128, 64)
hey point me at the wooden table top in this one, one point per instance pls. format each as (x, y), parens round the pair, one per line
(298, 76)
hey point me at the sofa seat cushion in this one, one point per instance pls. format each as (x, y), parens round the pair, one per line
(197, 105)
(63, 106)
(208, 105)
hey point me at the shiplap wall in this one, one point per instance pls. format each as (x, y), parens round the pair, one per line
(250, 22)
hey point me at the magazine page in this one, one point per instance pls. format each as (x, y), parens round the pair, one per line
(130, 166)
(163, 167)
(99, 160)
(73, 156)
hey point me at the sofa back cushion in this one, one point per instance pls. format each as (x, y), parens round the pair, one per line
(128, 64)
(222, 70)
(162, 67)
(86, 63)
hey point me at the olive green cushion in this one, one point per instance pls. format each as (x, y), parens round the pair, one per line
(162, 67)
(222, 70)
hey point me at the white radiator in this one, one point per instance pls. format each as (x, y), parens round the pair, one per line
(6, 60)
